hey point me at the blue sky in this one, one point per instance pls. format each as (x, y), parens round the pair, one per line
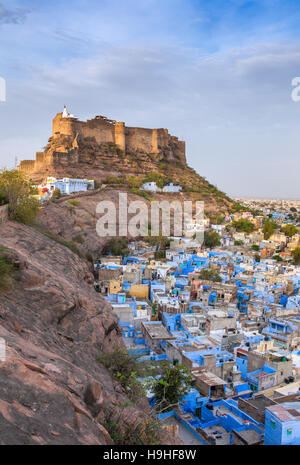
(215, 73)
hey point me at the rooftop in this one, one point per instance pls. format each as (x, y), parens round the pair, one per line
(288, 411)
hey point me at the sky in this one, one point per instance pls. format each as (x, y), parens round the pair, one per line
(218, 74)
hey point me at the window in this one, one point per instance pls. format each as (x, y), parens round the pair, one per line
(289, 431)
(273, 424)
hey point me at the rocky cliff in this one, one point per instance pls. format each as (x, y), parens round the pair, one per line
(52, 388)
(102, 148)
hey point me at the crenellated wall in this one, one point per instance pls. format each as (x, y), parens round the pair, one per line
(68, 132)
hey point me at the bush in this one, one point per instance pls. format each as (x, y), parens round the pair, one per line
(155, 177)
(113, 180)
(7, 268)
(136, 191)
(78, 238)
(17, 191)
(296, 255)
(158, 254)
(116, 246)
(210, 275)
(74, 202)
(134, 182)
(239, 242)
(255, 247)
(124, 369)
(211, 239)
(56, 194)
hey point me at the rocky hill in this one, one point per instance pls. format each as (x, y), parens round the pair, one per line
(53, 390)
(100, 149)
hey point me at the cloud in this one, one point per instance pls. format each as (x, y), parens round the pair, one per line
(231, 104)
(16, 16)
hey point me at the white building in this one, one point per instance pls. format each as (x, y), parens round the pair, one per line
(172, 188)
(150, 186)
(69, 185)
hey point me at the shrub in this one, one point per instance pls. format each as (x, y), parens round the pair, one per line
(74, 202)
(239, 242)
(17, 191)
(210, 275)
(124, 369)
(116, 246)
(134, 182)
(56, 194)
(7, 268)
(158, 254)
(211, 239)
(78, 238)
(296, 255)
(155, 177)
(113, 180)
(136, 191)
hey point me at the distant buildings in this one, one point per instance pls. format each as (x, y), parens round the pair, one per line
(152, 187)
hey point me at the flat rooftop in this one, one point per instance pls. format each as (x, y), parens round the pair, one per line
(210, 379)
(288, 411)
(157, 330)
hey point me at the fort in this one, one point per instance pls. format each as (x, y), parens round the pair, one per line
(71, 138)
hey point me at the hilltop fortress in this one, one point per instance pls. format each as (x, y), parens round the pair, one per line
(82, 145)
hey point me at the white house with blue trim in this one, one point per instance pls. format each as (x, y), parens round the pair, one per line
(69, 185)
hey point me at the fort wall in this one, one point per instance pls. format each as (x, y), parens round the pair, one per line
(101, 130)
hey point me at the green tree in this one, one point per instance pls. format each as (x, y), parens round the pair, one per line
(211, 239)
(296, 255)
(210, 275)
(18, 192)
(116, 246)
(243, 225)
(171, 387)
(239, 242)
(277, 258)
(257, 258)
(124, 368)
(269, 228)
(255, 247)
(155, 177)
(289, 230)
